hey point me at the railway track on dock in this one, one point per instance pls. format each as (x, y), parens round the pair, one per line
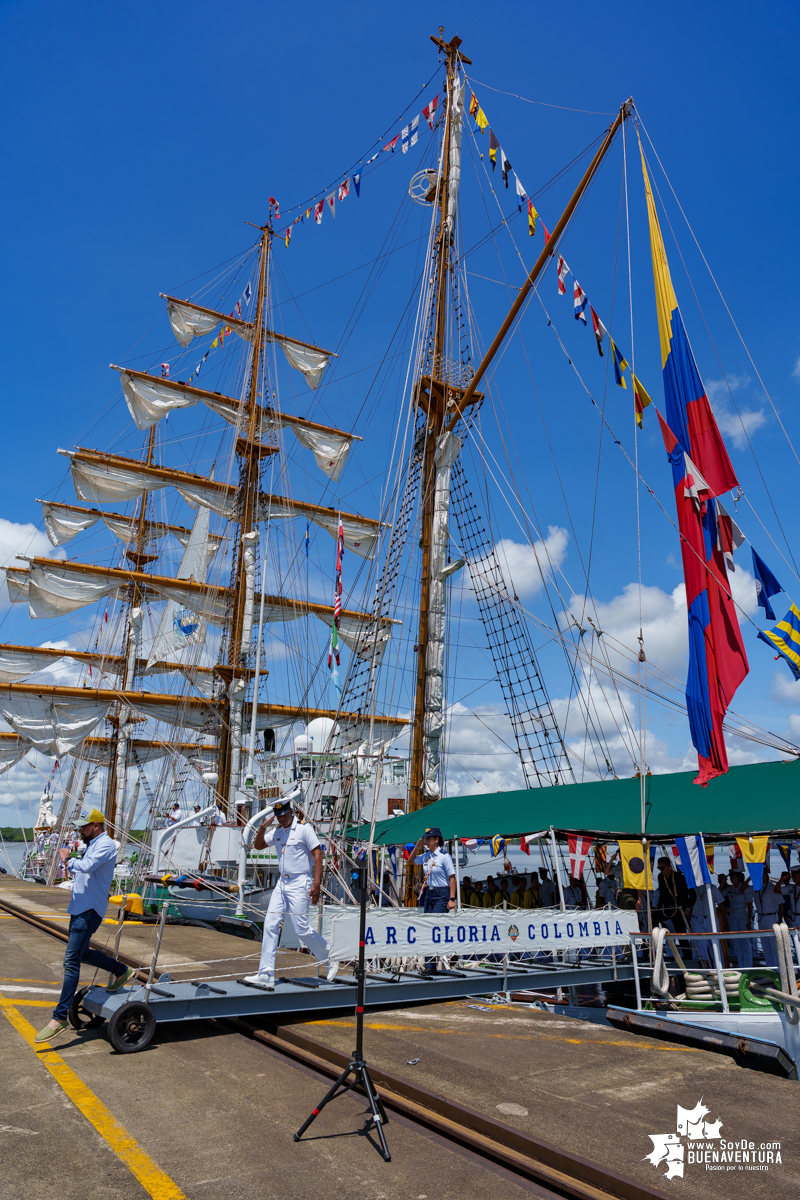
(553, 1171)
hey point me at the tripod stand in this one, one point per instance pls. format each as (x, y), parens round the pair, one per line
(357, 1068)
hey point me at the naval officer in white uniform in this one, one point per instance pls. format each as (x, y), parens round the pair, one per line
(299, 852)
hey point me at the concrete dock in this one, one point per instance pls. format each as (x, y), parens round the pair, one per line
(208, 1112)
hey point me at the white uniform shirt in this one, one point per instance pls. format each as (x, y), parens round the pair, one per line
(767, 902)
(438, 867)
(738, 901)
(294, 847)
(700, 917)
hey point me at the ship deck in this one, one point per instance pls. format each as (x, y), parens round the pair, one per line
(207, 1111)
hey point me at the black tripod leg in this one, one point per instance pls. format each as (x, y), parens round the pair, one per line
(340, 1082)
(377, 1110)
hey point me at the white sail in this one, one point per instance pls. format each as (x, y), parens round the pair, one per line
(189, 321)
(330, 450)
(12, 753)
(17, 579)
(113, 482)
(360, 534)
(448, 447)
(55, 590)
(180, 626)
(148, 401)
(53, 724)
(310, 361)
(62, 525)
(19, 662)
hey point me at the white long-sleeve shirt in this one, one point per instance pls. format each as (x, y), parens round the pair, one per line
(92, 875)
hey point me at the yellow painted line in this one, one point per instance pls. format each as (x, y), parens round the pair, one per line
(32, 1003)
(150, 1176)
(52, 982)
(514, 1037)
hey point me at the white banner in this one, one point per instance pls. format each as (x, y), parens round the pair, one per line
(406, 931)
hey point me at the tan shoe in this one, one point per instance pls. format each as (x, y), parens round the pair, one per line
(47, 1034)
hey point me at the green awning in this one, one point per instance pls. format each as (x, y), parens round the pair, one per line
(761, 798)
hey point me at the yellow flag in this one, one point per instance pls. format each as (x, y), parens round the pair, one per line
(481, 120)
(640, 399)
(754, 850)
(636, 865)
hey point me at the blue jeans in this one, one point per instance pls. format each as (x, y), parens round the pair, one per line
(82, 926)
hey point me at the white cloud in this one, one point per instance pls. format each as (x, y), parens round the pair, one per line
(17, 538)
(663, 623)
(738, 426)
(527, 567)
(796, 369)
(784, 689)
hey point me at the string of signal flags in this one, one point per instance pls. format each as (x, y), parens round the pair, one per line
(497, 155)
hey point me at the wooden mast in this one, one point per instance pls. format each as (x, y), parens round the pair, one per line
(436, 404)
(249, 451)
(139, 559)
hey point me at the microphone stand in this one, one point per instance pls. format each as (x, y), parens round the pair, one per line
(357, 1067)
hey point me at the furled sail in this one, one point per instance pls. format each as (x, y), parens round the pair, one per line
(149, 399)
(189, 321)
(181, 626)
(53, 723)
(360, 533)
(20, 662)
(55, 589)
(99, 750)
(17, 579)
(11, 751)
(64, 521)
(108, 479)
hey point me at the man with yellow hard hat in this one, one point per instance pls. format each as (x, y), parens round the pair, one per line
(91, 880)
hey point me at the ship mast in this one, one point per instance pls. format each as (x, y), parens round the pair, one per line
(117, 772)
(250, 451)
(433, 394)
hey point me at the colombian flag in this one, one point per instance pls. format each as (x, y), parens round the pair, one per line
(701, 470)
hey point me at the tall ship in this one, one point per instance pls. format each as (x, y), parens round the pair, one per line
(274, 581)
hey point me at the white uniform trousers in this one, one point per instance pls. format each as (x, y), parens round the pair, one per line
(740, 948)
(770, 950)
(290, 897)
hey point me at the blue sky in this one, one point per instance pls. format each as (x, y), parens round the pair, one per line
(136, 144)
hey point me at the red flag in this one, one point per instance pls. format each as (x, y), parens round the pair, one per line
(523, 845)
(563, 272)
(429, 111)
(579, 847)
(274, 203)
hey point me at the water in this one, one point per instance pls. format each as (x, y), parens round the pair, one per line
(11, 855)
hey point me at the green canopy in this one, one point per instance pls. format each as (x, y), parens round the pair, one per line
(761, 798)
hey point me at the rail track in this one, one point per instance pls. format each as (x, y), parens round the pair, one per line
(553, 1171)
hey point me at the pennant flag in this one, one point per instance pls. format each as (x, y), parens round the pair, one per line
(600, 331)
(546, 233)
(391, 145)
(369, 160)
(288, 235)
(247, 294)
(357, 184)
(580, 303)
(505, 166)
(785, 850)
(410, 134)
(562, 271)
(318, 208)
(600, 858)
(307, 539)
(494, 146)
(331, 203)
(473, 105)
(523, 845)
(692, 860)
(522, 195)
(165, 370)
(710, 858)
(471, 844)
(333, 649)
(754, 852)
(532, 215)
(766, 585)
(785, 638)
(481, 120)
(498, 844)
(308, 213)
(273, 203)
(105, 616)
(717, 657)
(579, 847)
(393, 860)
(407, 848)
(729, 535)
(344, 189)
(429, 111)
(635, 866)
(641, 400)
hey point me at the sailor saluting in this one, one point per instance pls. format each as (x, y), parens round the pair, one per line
(440, 874)
(299, 851)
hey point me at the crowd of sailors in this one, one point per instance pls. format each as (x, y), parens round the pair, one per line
(738, 907)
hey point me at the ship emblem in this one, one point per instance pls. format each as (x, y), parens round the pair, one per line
(185, 622)
(513, 932)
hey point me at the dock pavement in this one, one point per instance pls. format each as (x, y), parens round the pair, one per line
(205, 1112)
